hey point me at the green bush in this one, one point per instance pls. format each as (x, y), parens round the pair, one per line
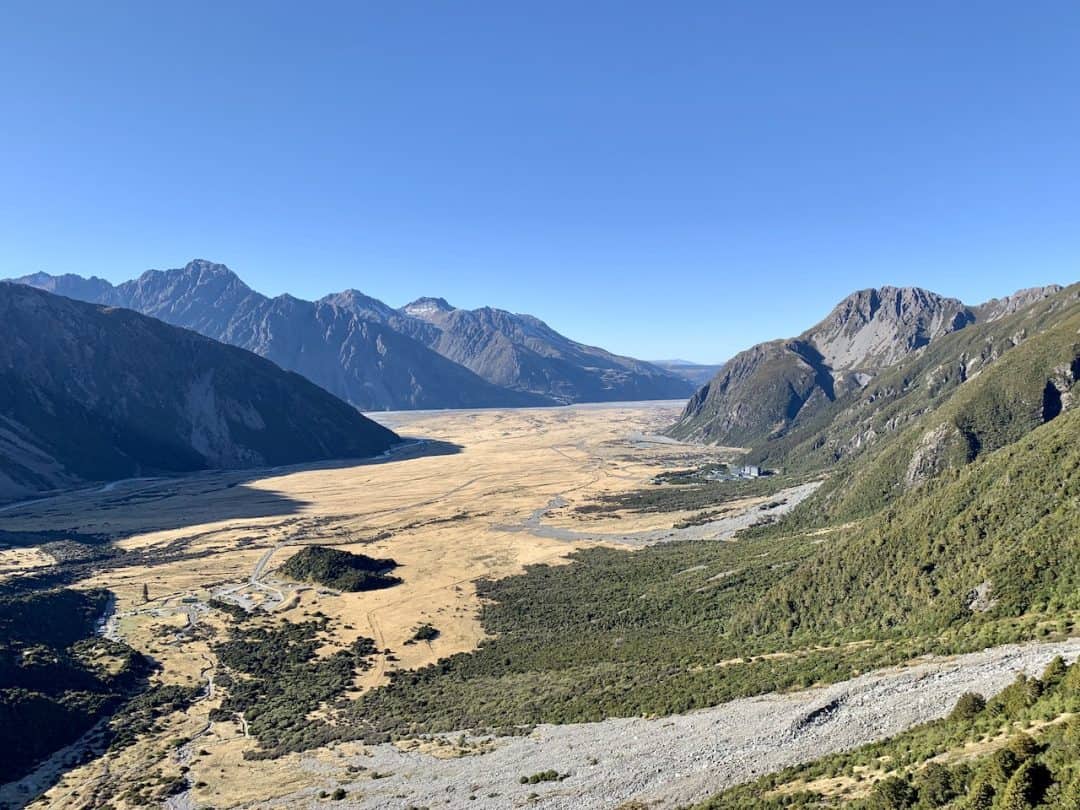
(341, 570)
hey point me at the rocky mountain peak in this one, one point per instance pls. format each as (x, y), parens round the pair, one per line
(199, 278)
(426, 307)
(68, 285)
(769, 390)
(199, 272)
(874, 328)
(363, 305)
(204, 267)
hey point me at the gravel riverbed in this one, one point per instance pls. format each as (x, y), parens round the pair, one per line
(672, 761)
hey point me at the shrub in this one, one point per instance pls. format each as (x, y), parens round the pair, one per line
(894, 793)
(968, 706)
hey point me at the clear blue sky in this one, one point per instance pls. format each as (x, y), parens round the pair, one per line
(662, 179)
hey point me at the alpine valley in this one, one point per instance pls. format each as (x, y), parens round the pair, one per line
(844, 574)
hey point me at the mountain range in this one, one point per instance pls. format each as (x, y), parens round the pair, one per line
(92, 393)
(427, 354)
(764, 393)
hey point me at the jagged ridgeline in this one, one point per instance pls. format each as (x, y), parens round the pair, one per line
(428, 354)
(779, 398)
(971, 380)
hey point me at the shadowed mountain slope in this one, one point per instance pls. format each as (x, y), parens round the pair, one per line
(90, 393)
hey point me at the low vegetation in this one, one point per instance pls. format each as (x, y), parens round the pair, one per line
(57, 679)
(341, 570)
(141, 714)
(550, 775)
(275, 679)
(681, 626)
(1017, 751)
(687, 490)
(425, 632)
(615, 633)
(1008, 524)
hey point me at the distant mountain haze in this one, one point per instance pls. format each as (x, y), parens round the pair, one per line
(696, 373)
(93, 393)
(425, 355)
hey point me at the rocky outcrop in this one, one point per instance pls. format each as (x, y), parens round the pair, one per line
(997, 308)
(92, 393)
(931, 454)
(763, 391)
(759, 392)
(871, 329)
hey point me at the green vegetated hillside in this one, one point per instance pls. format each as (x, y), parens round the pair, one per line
(339, 569)
(917, 384)
(999, 537)
(1016, 751)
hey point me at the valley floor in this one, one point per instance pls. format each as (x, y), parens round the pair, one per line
(484, 495)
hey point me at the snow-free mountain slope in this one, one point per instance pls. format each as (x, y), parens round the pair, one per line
(524, 353)
(426, 355)
(765, 392)
(364, 361)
